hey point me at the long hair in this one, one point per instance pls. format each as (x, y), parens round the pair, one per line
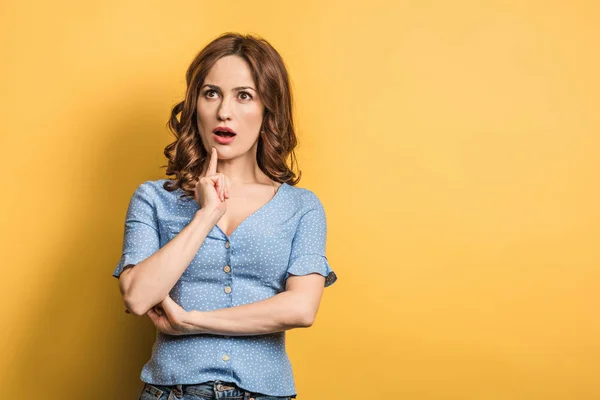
(277, 139)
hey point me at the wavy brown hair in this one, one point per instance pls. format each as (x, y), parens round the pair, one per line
(277, 139)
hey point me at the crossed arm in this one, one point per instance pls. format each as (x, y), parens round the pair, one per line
(157, 269)
(296, 307)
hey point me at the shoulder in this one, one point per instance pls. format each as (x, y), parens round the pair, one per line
(153, 191)
(152, 185)
(304, 198)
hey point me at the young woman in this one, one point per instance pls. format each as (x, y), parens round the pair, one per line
(229, 254)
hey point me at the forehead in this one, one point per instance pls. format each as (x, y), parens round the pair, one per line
(230, 71)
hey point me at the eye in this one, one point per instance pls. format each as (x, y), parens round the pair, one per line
(208, 91)
(247, 94)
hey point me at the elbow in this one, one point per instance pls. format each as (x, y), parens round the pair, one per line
(306, 318)
(305, 311)
(135, 307)
(133, 304)
(131, 301)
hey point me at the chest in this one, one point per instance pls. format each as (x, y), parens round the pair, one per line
(259, 228)
(241, 207)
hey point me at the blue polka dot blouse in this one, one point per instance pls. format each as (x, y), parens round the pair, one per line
(285, 236)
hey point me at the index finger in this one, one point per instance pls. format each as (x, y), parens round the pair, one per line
(212, 166)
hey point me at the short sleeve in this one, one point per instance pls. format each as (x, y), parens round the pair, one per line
(308, 245)
(141, 238)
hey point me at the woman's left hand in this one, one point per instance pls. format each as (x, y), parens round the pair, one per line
(169, 317)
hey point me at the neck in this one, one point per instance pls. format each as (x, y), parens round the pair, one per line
(241, 170)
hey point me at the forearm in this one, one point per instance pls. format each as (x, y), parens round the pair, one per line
(275, 314)
(151, 280)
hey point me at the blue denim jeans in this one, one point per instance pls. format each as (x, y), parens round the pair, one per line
(213, 390)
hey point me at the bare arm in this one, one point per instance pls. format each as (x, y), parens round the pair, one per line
(150, 281)
(294, 308)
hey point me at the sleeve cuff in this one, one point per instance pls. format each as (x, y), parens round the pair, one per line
(127, 259)
(309, 263)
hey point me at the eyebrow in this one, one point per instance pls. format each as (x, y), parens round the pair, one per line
(235, 88)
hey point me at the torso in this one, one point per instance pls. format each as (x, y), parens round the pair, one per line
(244, 203)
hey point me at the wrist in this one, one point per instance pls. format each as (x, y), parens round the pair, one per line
(209, 216)
(191, 322)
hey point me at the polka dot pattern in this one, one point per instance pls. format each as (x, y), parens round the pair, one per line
(284, 237)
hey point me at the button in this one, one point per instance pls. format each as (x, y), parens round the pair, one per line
(227, 245)
(227, 289)
(221, 388)
(227, 268)
(225, 357)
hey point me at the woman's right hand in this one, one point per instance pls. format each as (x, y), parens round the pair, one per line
(211, 189)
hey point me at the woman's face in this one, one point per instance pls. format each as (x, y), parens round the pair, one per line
(228, 97)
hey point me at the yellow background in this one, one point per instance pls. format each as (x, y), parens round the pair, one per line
(454, 145)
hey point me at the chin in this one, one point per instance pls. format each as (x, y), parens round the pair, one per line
(224, 151)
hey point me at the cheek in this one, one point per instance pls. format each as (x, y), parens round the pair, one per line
(203, 115)
(252, 115)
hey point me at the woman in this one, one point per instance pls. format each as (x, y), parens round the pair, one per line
(230, 254)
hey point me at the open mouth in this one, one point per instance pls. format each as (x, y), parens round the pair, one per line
(224, 134)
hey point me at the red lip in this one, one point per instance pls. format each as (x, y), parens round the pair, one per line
(223, 129)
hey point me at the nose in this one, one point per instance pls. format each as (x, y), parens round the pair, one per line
(224, 112)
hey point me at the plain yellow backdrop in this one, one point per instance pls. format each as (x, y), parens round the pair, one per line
(454, 145)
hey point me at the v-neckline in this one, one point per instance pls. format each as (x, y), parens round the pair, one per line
(252, 214)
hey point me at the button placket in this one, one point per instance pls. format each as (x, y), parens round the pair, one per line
(227, 268)
(228, 289)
